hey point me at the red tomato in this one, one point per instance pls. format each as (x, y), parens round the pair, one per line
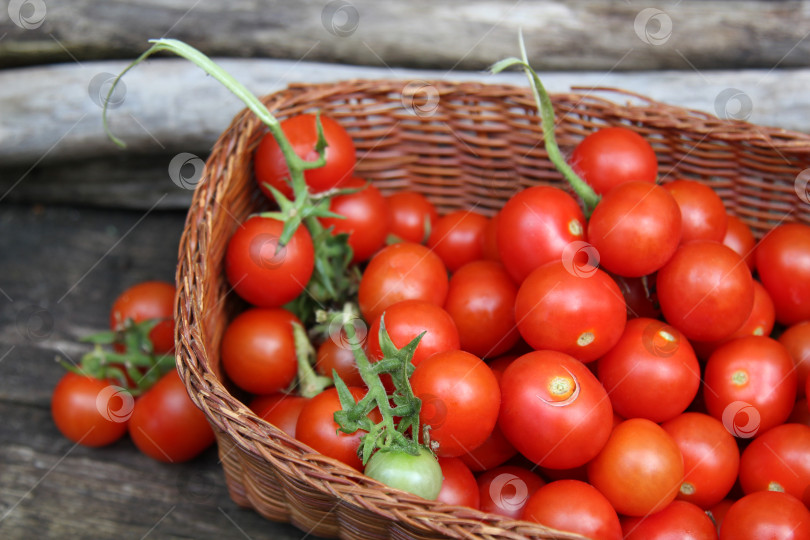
(336, 354)
(554, 410)
(365, 220)
(89, 411)
(166, 425)
(458, 485)
(640, 468)
(650, 355)
(718, 512)
(705, 291)
(412, 216)
(639, 293)
(778, 460)
(635, 228)
(711, 458)
(460, 400)
(783, 263)
(403, 271)
(407, 319)
(796, 340)
(494, 451)
(458, 238)
(481, 301)
(144, 301)
(740, 238)
(766, 514)
(258, 350)
(703, 214)
(679, 520)
(750, 385)
(506, 490)
(563, 310)
(261, 273)
(574, 506)
(281, 410)
(535, 226)
(612, 156)
(270, 167)
(491, 239)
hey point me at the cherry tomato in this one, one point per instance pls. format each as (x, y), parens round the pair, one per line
(574, 506)
(796, 340)
(711, 458)
(481, 301)
(766, 514)
(335, 353)
(703, 214)
(365, 218)
(166, 425)
(535, 226)
(420, 474)
(612, 156)
(412, 216)
(554, 410)
(680, 519)
(505, 490)
(259, 271)
(491, 239)
(778, 460)
(705, 291)
(458, 238)
(258, 350)
(279, 409)
(649, 356)
(458, 485)
(90, 411)
(639, 469)
(750, 385)
(270, 166)
(402, 271)
(560, 309)
(460, 400)
(783, 263)
(144, 301)
(740, 238)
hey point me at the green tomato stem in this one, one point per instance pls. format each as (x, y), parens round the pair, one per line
(310, 384)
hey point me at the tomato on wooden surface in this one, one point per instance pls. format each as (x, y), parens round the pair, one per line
(796, 340)
(458, 238)
(783, 264)
(144, 301)
(459, 487)
(778, 460)
(703, 214)
(505, 490)
(263, 273)
(270, 167)
(740, 238)
(281, 410)
(90, 411)
(412, 216)
(365, 218)
(679, 520)
(574, 506)
(766, 514)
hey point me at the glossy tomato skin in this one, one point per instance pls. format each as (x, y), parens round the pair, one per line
(402, 271)
(574, 506)
(711, 457)
(281, 410)
(458, 484)
(705, 291)
(740, 238)
(680, 520)
(144, 301)
(796, 340)
(270, 167)
(612, 156)
(417, 474)
(335, 353)
(766, 514)
(559, 309)
(635, 228)
(703, 214)
(491, 239)
(750, 385)
(365, 218)
(166, 425)
(535, 227)
(783, 264)
(649, 356)
(481, 301)
(460, 400)
(554, 410)
(778, 460)
(505, 490)
(493, 452)
(458, 238)
(260, 273)
(90, 411)
(639, 469)
(412, 216)
(258, 350)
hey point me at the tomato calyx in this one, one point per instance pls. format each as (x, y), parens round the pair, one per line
(562, 390)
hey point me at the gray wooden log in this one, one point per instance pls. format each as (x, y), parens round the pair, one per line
(561, 35)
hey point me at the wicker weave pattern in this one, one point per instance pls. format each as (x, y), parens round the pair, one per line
(469, 145)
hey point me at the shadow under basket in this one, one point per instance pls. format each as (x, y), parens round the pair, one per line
(463, 145)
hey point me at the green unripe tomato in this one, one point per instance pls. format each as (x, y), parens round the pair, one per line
(420, 475)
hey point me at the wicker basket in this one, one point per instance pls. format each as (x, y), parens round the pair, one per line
(463, 145)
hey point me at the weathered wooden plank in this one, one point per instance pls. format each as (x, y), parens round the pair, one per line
(578, 34)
